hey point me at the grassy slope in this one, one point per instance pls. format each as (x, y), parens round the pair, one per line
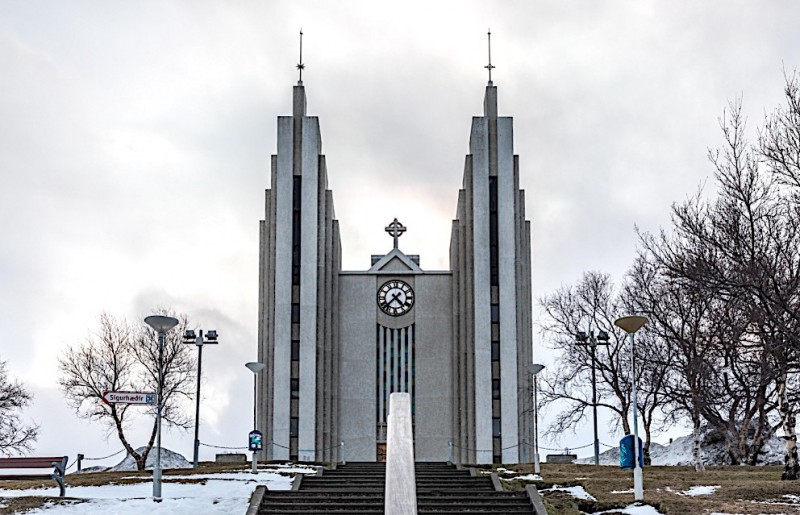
(743, 490)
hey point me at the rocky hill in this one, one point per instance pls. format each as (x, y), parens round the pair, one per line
(169, 460)
(679, 452)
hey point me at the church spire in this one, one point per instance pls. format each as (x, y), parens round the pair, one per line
(299, 97)
(490, 99)
(489, 66)
(300, 65)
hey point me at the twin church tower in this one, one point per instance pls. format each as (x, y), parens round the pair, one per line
(336, 343)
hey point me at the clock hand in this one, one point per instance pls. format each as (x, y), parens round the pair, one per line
(394, 298)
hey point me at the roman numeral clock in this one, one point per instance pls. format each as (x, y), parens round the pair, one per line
(395, 297)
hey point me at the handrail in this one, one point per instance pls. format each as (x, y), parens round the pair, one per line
(401, 487)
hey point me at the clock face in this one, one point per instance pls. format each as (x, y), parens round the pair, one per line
(395, 298)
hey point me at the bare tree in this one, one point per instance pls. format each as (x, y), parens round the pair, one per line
(124, 357)
(779, 148)
(742, 248)
(15, 436)
(684, 319)
(590, 305)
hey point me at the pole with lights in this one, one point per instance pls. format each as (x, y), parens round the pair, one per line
(590, 338)
(255, 367)
(161, 325)
(198, 339)
(631, 324)
(534, 369)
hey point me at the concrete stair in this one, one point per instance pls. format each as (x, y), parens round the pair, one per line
(358, 488)
(443, 489)
(355, 488)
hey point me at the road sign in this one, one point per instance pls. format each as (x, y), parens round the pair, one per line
(129, 397)
(255, 440)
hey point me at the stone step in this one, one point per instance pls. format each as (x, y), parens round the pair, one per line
(334, 490)
(359, 488)
(325, 501)
(459, 502)
(332, 504)
(471, 511)
(336, 479)
(317, 510)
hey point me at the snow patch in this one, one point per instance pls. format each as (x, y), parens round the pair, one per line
(221, 494)
(700, 490)
(526, 477)
(169, 460)
(633, 509)
(575, 491)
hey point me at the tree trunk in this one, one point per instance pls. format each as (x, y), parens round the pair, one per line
(646, 446)
(790, 463)
(626, 428)
(124, 441)
(697, 452)
(150, 443)
(732, 442)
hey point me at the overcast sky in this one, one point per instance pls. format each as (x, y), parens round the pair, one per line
(135, 140)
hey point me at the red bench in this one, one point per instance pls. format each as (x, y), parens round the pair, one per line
(58, 463)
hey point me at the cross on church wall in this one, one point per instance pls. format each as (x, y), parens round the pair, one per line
(395, 229)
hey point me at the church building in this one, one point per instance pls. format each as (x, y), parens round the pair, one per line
(337, 342)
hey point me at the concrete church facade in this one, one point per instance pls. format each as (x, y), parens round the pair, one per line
(336, 343)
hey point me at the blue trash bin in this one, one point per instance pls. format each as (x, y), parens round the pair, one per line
(626, 457)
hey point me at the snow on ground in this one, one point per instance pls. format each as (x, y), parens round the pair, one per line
(526, 477)
(221, 494)
(169, 460)
(700, 490)
(575, 491)
(633, 509)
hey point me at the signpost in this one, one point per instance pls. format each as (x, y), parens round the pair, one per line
(147, 398)
(255, 441)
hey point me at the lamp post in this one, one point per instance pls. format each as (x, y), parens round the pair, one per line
(197, 339)
(161, 325)
(534, 369)
(255, 367)
(601, 338)
(631, 324)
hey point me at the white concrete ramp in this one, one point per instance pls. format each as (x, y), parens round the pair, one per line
(401, 487)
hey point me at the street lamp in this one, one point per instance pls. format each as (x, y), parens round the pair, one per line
(161, 325)
(631, 324)
(590, 338)
(197, 339)
(534, 369)
(255, 367)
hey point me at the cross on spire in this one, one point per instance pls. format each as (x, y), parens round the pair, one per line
(489, 66)
(300, 65)
(396, 229)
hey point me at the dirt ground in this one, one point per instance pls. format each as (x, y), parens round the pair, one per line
(742, 490)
